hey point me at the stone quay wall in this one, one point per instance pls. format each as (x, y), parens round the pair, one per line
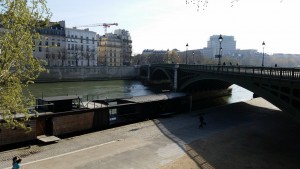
(61, 74)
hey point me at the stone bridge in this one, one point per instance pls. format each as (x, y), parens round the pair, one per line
(280, 86)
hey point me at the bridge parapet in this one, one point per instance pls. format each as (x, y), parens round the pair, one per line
(270, 72)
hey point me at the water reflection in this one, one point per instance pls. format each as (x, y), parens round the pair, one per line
(118, 89)
(106, 89)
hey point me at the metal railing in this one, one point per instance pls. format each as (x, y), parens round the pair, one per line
(269, 72)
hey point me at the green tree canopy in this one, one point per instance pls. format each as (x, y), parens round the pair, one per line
(19, 20)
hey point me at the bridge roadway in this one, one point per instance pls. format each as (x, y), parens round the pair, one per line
(280, 86)
(253, 134)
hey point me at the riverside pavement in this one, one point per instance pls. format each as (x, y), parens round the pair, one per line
(164, 142)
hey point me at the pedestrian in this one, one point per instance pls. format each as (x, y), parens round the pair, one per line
(16, 165)
(201, 119)
(14, 160)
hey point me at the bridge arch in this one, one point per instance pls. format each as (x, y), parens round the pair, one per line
(206, 83)
(159, 74)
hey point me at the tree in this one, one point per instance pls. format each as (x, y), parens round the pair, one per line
(62, 55)
(204, 3)
(19, 20)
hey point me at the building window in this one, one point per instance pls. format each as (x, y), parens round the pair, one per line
(93, 40)
(81, 39)
(81, 47)
(87, 40)
(40, 49)
(53, 43)
(69, 47)
(58, 44)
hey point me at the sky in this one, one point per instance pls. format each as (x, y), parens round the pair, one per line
(170, 24)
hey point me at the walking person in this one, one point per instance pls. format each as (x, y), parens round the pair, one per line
(201, 119)
(16, 165)
(14, 160)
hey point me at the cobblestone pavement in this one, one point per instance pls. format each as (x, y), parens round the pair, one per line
(164, 139)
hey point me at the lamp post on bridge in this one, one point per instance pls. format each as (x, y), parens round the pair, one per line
(220, 49)
(187, 45)
(193, 57)
(263, 58)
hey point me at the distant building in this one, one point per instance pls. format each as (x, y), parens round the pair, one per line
(126, 44)
(110, 48)
(61, 46)
(152, 51)
(228, 45)
(51, 45)
(81, 47)
(246, 53)
(115, 49)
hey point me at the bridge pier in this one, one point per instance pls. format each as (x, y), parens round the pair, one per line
(149, 73)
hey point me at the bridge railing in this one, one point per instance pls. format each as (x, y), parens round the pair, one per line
(271, 72)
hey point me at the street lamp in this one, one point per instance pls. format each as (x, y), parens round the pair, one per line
(187, 45)
(263, 45)
(194, 57)
(167, 56)
(220, 49)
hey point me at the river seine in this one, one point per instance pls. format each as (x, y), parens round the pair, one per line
(115, 89)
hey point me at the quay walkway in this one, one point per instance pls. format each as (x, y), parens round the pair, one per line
(253, 134)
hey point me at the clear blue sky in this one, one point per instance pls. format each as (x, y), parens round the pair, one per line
(169, 24)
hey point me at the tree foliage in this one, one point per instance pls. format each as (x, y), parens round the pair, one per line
(19, 20)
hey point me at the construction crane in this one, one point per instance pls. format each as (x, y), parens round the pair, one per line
(105, 25)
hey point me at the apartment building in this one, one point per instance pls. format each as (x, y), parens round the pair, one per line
(126, 44)
(51, 45)
(115, 49)
(81, 47)
(110, 48)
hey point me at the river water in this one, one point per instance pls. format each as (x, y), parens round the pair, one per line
(115, 89)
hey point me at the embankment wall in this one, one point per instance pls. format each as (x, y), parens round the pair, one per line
(60, 74)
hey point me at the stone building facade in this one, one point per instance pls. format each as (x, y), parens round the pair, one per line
(81, 47)
(115, 49)
(51, 45)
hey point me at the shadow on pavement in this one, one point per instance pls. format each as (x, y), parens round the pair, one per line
(239, 135)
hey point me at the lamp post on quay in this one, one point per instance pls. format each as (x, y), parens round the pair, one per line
(263, 58)
(187, 45)
(220, 49)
